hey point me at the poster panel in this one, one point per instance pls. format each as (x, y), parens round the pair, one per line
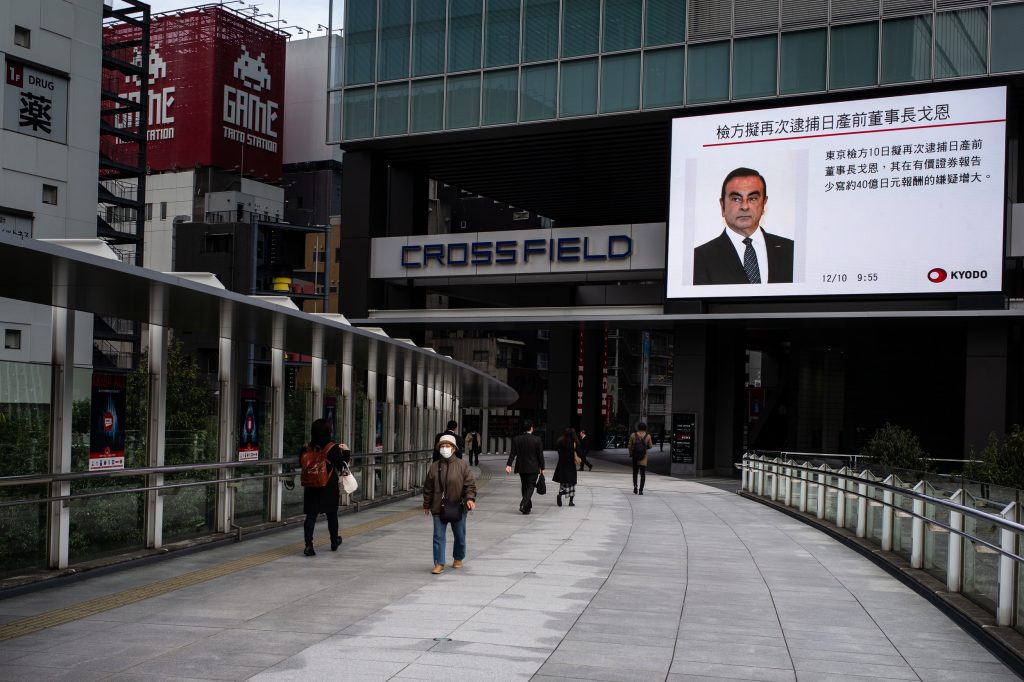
(250, 413)
(107, 422)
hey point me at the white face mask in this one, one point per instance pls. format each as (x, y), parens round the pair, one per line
(447, 452)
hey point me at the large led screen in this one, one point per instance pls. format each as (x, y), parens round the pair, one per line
(895, 195)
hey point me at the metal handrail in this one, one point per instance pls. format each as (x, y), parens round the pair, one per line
(952, 506)
(994, 519)
(44, 479)
(7, 481)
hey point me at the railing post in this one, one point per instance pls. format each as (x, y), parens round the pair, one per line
(760, 476)
(841, 498)
(775, 479)
(743, 472)
(788, 482)
(917, 536)
(955, 551)
(804, 474)
(887, 514)
(1007, 590)
(862, 506)
(822, 476)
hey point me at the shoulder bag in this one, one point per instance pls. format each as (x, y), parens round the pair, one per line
(347, 481)
(450, 511)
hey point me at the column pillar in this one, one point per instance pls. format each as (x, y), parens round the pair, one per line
(226, 436)
(986, 370)
(62, 361)
(407, 420)
(156, 428)
(277, 389)
(317, 372)
(346, 414)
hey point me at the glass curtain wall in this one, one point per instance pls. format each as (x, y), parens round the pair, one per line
(501, 39)
(428, 35)
(24, 449)
(540, 30)
(393, 60)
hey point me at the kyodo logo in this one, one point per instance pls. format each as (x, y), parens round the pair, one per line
(938, 275)
(244, 108)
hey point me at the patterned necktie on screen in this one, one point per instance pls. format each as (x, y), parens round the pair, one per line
(750, 263)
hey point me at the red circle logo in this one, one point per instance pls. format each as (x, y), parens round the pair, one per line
(936, 275)
(108, 422)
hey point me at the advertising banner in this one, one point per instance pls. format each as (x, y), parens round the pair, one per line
(216, 87)
(35, 102)
(895, 195)
(579, 375)
(106, 422)
(331, 413)
(605, 413)
(250, 422)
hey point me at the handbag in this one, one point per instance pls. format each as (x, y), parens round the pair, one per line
(348, 481)
(451, 512)
(542, 486)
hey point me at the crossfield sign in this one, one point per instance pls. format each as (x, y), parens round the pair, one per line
(895, 195)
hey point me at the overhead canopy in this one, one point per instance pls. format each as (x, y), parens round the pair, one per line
(52, 274)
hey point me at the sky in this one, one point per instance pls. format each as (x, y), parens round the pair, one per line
(304, 13)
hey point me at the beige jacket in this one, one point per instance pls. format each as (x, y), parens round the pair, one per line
(647, 439)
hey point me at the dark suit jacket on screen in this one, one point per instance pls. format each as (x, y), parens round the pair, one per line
(716, 262)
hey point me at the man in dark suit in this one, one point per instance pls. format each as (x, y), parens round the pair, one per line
(744, 253)
(450, 431)
(528, 455)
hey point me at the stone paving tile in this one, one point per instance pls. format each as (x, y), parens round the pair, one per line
(685, 583)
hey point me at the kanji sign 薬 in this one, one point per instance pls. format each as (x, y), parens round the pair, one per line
(35, 102)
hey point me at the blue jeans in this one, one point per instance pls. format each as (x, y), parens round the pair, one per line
(458, 530)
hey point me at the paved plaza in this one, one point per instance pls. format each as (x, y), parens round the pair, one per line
(687, 582)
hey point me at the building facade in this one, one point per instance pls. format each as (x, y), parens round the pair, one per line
(574, 110)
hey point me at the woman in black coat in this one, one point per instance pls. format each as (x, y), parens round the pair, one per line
(316, 501)
(565, 470)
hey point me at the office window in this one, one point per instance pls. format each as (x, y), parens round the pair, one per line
(392, 109)
(620, 83)
(803, 61)
(22, 37)
(666, 22)
(149, 212)
(358, 116)
(854, 60)
(463, 101)
(428, 37)
(464, 26)
(753, 67)
(663, 78)
(49, 194)
(360, 41)
(622, 19)
(334, 116)
(539, 92)
(540, 30)
(579, 88)
(907, 49)
(163, 210)
(427, 105)
(501, 89)
(960, 43)
(502, 33)
(542, 360)
(12, 339)
(581, 26)
(707, 73)
(216, 243)
(1007, 28)
(393, 61)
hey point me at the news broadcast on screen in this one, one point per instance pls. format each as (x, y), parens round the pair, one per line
(895, 195)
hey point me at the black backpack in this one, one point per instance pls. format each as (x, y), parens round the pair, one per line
(639, 447)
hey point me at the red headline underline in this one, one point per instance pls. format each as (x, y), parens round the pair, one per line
(857, 132)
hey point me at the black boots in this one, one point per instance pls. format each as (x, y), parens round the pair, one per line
(309, 551)
(558, 499)
(571, 503)
(335, 542)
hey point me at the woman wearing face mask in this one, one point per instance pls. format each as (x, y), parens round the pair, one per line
(450, 480)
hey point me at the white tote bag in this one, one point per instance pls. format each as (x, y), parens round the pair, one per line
(348, 481)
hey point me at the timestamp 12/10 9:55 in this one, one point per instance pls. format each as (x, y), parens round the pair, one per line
(842, 277)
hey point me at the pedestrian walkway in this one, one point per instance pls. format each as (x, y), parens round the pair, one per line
(687, 582)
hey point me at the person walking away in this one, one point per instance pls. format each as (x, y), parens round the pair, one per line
(582, 448)
(450, 430)
(449, 480)
(473, 448)
(478, 446)
(528, 456)
(637, 447)
(565, 470)
(321, 460)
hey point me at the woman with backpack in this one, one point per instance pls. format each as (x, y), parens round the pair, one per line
(321, 461)
(639, 443)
